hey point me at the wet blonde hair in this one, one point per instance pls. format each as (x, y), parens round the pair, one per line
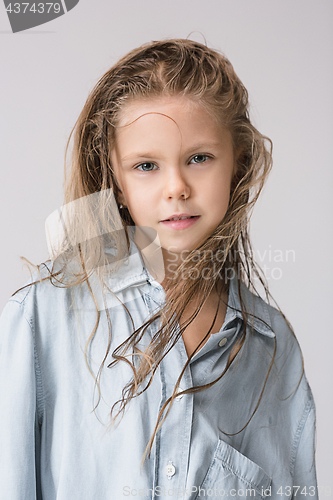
(173, 67)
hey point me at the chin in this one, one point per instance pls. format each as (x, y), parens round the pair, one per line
(178, 249)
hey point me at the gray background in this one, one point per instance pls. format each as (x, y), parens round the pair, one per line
(282, 50)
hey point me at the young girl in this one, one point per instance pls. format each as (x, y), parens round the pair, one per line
(141, 361)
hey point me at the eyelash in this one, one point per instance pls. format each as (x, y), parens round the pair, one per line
(151, 163)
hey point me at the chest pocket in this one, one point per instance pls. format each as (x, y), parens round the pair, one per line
(232, 475)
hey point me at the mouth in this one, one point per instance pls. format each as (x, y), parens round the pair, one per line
(179, 217)
(180, 222)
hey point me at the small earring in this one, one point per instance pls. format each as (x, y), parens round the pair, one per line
(121, 205)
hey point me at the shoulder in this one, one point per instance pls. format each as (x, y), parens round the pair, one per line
(280, 326)
(272, 329)
(45, 293)
(262, 316)
(40, 283)
(288, 365)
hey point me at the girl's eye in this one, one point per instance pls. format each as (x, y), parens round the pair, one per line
(199, 158)
(146, 167)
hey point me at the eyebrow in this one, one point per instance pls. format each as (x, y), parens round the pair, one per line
(140, 155)
(153, 154)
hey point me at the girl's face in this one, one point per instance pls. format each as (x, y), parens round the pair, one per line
(172, 160)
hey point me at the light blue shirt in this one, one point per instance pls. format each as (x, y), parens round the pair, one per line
(53, 446)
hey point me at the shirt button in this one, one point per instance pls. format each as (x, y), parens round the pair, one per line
(170, 470)
(181, 395)
(223, 342)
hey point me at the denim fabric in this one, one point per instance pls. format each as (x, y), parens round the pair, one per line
(54, 446)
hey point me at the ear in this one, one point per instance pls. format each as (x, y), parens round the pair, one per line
(117, 187)
(122, 199)
(119, 194)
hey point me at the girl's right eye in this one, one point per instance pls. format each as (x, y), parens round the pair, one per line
(146, 167)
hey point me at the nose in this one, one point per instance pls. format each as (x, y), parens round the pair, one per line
(175, 184)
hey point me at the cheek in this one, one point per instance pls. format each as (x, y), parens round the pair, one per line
(223, 203)
(139, 194)
(218, 194)
(138, 206)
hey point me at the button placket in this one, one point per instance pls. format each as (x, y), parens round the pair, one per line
(174, 439)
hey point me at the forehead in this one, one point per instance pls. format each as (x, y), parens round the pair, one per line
(180, 115)
(167, 104)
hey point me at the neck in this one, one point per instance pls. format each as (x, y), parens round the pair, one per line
(151, 252)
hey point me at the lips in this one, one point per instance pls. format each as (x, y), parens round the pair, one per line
(179, 217)
(181, 221)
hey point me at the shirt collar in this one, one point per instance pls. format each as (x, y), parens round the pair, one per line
(258, 311)
(133, 272)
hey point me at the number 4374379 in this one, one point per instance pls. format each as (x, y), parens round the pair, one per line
(36, 8)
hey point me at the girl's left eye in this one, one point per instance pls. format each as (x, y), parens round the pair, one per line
(146, 167)
(199, 158)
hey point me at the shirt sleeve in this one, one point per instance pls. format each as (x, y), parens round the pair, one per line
(305, 479)
(19, 425)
